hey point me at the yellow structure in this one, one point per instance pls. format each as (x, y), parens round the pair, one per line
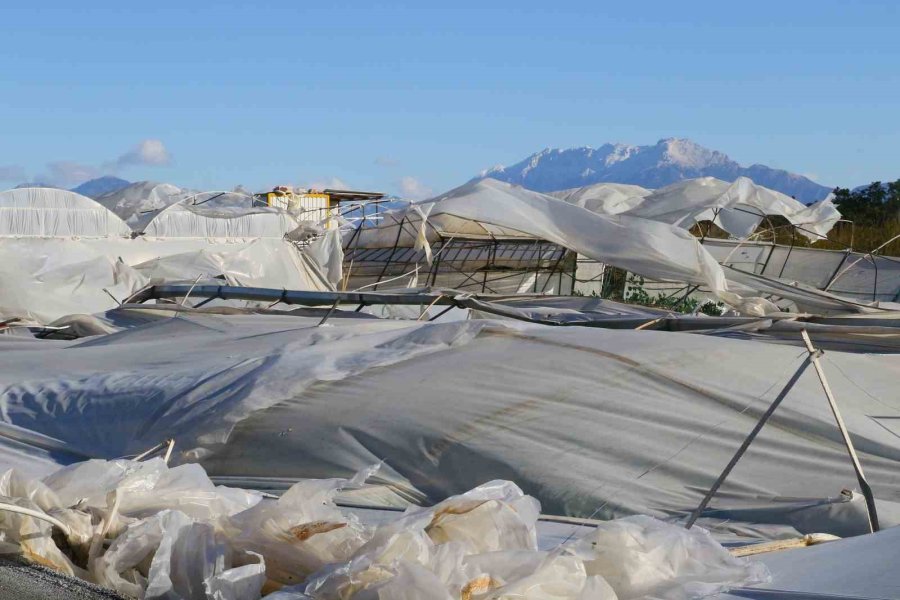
(306, 205)
(313, 205)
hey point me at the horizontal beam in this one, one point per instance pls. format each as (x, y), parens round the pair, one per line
(300, 297)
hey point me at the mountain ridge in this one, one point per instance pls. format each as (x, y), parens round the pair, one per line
(653, 166)
(93, 188)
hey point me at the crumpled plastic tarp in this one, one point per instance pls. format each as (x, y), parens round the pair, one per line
(147, 531)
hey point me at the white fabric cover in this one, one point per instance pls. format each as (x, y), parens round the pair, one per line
(588, 421)
(737, 208)
(53, 213)
(860, 567)
(214, 215)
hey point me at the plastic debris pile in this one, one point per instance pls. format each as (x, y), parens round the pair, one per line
(149, 531)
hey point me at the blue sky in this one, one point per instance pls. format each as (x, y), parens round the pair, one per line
(411, 97)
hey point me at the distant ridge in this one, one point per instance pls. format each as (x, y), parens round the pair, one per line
(93, 188)
(668, 161)
(101, 185)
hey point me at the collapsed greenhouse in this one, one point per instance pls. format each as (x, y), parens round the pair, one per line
(446, 342)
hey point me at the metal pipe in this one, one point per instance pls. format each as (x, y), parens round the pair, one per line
(330, 312)
(299, 297)
(860, 476)
(746, 443)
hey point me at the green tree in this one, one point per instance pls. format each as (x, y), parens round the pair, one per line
(876, 204)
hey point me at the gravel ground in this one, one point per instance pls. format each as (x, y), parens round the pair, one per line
(27, 581)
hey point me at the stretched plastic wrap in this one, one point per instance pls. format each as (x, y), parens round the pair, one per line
(54, 213)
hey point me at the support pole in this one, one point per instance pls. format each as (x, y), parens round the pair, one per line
(746, 444)
(330, 311)
(860, 476)
(811, 358)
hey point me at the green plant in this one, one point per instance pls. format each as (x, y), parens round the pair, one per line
(635, 293)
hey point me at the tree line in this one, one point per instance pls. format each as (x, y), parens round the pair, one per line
(875, 205)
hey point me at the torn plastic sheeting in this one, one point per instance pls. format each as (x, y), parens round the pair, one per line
(643, 557)
(479, 544)
(414, 557)
(737, 207)
(605, 198)
(188, 560)
(806, 296)
(328, 253)
(46, 279)
(157, 550)
(302, 532)
(489, 208)
(260, 263)
(146, 488)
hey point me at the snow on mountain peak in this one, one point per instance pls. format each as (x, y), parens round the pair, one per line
(687, 154)
(653, 166)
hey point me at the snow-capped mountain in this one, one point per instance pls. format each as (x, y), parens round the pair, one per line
(93, 188)
(101, 185)
(655, 166)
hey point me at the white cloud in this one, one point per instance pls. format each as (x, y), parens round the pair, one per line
(12, 173)
(67, 173)
(148, 152)
(413, 189)
(329, 183)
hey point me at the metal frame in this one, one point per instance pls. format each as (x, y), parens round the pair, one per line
(481, 263)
